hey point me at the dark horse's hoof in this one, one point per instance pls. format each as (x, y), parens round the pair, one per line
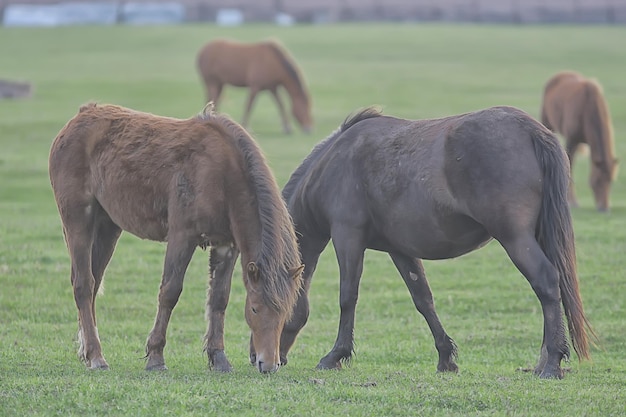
(326, 364)
(219, 362)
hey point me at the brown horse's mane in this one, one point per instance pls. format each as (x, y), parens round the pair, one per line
(289, 65)
(278, 248)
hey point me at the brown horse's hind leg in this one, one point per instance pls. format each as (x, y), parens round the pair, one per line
(178, 254)
(246, 114)
(412, 272)
(222, 263)
(79, 224)
(281, 110)
(214, 92)
(571, 148)
(105, 239)
(528, 257)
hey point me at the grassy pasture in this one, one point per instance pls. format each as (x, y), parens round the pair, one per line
(413, 71)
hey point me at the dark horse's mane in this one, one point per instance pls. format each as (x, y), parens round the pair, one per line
(288, 64)
(278, 247)
(320, 148)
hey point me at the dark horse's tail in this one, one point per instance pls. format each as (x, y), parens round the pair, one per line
(555, 235)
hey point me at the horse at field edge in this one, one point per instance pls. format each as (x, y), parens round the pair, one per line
(202, 182)
(575, 107)
(264, 65)
(437, 189)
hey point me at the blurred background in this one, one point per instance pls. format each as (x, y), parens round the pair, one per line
(50, 12)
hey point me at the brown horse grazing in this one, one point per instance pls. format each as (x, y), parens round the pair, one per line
(437, 189)
(575, 107)
(259, 66)
(196, 182)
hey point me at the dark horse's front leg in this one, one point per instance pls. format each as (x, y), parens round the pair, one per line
(350, 249)
(310, 249)
(412, 272)
(221, 263)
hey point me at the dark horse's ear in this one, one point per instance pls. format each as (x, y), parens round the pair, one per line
(253, 272)
(295, 272)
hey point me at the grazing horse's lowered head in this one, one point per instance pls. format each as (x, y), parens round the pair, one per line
(265, 65)
(575, 107)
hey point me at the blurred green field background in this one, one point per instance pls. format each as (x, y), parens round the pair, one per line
(412, 71)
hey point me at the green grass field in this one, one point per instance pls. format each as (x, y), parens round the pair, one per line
(413, 71)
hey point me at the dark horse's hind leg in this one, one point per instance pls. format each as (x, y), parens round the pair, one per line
(221, 264)
(179, 251)
(412, 272)
(350, 249)
(528, 257)
(310, 251)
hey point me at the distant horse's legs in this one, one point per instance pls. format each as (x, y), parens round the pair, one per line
(412, 272)
(246, 114)
(222, 263)
(528, 257)
(177, 256)
(214, 91)
(310, 250)
(350, 248)
(281, 109)
(572, 147)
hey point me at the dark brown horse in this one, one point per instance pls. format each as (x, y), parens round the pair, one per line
(437, 189)
(259, 66)
(575, 107)
(196, 182)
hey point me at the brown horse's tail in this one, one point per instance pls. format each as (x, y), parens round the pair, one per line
(555, 235)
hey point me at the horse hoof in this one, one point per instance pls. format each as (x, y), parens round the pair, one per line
(157, 367)
(218, 362)
(328, 365)
(98, 364)
(558, 374)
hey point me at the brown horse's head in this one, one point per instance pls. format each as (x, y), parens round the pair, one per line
(302, 112)
(602, 175)
(265, 319)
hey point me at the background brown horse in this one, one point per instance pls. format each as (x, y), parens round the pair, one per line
(575, 107)
(196, 182)
(259, 66)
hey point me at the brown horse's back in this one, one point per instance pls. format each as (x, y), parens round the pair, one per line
(225, 61)
(563, 102)
(111, 155)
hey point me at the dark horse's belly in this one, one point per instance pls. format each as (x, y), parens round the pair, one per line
(438, 238)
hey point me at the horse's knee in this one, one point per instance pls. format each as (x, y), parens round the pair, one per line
(169, 294)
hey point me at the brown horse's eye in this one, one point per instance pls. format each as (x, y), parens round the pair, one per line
(254, 310)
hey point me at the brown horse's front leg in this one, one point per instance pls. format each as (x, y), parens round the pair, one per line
(222, 263)
(177, 257)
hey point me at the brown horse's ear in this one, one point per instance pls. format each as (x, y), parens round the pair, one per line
(253, 272)
(295, 272)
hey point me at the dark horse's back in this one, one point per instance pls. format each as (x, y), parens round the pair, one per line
(445, 181)
(437, 189)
